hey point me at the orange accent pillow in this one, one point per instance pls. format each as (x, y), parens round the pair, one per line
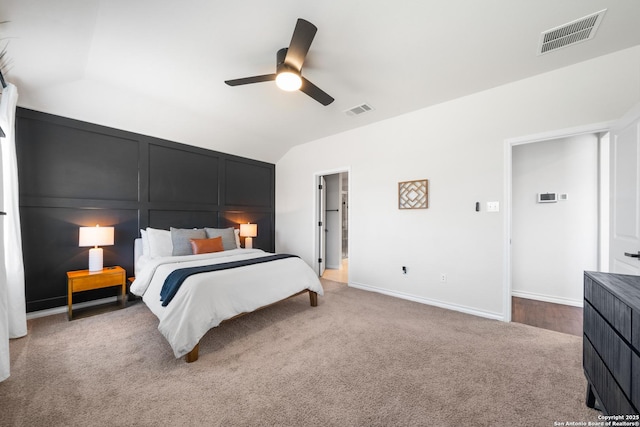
(205, 246)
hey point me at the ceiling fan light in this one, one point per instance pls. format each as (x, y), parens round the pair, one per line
(288, 81)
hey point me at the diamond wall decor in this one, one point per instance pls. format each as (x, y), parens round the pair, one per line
(413, 194)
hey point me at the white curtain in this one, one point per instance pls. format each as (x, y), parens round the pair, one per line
(13, 316)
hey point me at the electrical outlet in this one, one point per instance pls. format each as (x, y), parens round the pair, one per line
(493, 206)
(443, 277)
(404, 269)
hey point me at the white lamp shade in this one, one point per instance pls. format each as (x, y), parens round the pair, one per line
(96, 236)
(248, 230)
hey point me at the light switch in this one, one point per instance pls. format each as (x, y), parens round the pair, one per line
(493, 206)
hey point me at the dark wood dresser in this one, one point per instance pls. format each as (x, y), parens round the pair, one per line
(611, 342)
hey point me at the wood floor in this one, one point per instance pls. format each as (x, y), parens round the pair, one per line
(338, 275)
(546, 315)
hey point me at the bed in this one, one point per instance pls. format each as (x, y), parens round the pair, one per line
(243, 281)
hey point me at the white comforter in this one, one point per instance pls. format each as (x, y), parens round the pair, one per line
(206, 299)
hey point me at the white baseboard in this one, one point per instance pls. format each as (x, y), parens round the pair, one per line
(428, 301)
(547, 298)
(63, 309)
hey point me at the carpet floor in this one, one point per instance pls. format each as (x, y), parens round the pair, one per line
(358, 359)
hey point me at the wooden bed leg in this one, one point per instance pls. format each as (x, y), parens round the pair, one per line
(192, 356)
(313, 298)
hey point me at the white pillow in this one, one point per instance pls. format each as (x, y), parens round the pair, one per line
(145, 242)
(160, 243)
(236, 232)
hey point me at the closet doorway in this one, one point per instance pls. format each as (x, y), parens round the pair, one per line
(559, 226)
(333, 226)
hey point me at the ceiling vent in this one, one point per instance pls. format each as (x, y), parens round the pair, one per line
(571, 33)
(359, 109)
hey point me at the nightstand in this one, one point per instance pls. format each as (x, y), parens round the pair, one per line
(85, 280)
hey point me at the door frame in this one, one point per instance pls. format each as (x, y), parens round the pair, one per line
(316, 209)
(321, 224)
(508, 171)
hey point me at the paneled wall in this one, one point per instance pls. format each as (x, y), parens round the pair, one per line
(76, 174)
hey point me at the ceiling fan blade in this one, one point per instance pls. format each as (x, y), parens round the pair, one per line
(301, 40)
(315, 92)
(249, 80)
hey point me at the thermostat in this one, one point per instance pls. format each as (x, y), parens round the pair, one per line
(547, 197)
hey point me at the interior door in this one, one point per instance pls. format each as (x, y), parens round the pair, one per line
(322, 220)
(625, 195)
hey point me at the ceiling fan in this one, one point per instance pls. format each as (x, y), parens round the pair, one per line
(288, 75)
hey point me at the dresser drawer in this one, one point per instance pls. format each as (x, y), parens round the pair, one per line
(613, 351)
(635, 333)
(635, 380)
(617, 313)
(96, 281)
(613, 399)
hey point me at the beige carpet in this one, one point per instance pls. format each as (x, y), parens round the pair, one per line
(358, 359)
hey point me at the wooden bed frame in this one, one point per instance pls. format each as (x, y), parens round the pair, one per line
(192, 356)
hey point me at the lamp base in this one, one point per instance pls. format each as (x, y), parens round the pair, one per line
(248, 242)
(95, 259)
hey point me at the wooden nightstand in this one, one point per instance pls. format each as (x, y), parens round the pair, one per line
(85, 280)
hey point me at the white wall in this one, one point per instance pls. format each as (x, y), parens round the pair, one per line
(553, 243)
(459, 146)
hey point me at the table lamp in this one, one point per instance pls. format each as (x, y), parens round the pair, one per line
(95, 236)
(249, 231)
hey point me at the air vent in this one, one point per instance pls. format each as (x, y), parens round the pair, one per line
(359, 109)
(577, 31)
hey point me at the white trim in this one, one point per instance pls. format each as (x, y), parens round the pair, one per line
(64, 309)
(561, 133)
(428, 301)
(547, 298)
(506, 230)
(509, 143)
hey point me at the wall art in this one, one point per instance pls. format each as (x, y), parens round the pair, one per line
(413, 194)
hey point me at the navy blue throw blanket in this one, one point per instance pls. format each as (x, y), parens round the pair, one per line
(175, 279)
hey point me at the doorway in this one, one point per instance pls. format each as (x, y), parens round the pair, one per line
(333, 226)
(543, 265)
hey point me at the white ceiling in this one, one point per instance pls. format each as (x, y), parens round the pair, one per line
(157, 67)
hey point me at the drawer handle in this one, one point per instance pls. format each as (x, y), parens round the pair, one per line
(632, 255)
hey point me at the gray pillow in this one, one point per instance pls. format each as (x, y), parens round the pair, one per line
(181, 239)
(228, 237)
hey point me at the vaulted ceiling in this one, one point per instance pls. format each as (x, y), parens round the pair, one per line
(157, 67)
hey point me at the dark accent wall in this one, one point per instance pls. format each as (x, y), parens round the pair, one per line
(74, 174)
